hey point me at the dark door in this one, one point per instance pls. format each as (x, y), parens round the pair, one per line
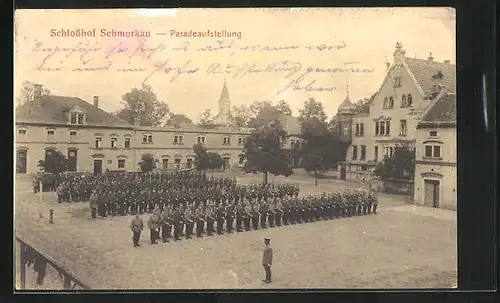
(21, 165)
(342, 173)
(97, 167)
(226, 163)
(432, 193)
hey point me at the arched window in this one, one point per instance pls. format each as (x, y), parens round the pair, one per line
(48, 152)
(386, 101)
(409, 101)
(403, 101)
(391, 102)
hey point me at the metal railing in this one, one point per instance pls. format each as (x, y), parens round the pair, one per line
(69, 281)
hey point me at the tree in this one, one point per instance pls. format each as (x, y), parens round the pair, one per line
(265, 116)
(312, 109)
(263, 152)
(240, 116)
(401, 165)
(177, 119)
(54, 163)
(27, 93)
(284, 108)
(148, 163)
(363, 105)
(215, 161)
(201, 159)
(143, 104)
(321, 148)
(257, 106)
(206, 119)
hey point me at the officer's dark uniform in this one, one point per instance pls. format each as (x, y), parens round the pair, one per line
(229, 219)
(255, 216)
(264, 209)
(210, 221)
(239, 218)
(200, 222)
(220, 219)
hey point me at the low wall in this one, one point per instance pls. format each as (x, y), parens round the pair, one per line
(401, 187)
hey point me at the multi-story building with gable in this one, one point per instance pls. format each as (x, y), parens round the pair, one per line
(96, 141)
(406, 92)
(436, 154)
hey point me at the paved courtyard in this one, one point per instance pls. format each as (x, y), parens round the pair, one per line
(401, 247)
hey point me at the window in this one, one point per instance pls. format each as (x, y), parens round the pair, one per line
(360, 129)
(292, 143)
(21, 132)
(72, 136)
(227, 141)
(164, 163)
(121, 163)
(375, 153)
(50, 135)
(177, 163)
(386, 102)
(397, 81)
(432, 151)
(98, 141)
(402, 130)
(433, 133)
(48, 152)
(357, 129)
(387, 128)
(110, 161)
(77, 118)
(127, 142)
(403, 101)
(437, 152)
(377, 129)
(382, 128)
(147, 138)
(114, 142)
(241, 141)
(178, 140)
(189, 163)
(363, 152)
(201, 139)
(364, 168)
(391, 102)
(409, 100)
(354, 152)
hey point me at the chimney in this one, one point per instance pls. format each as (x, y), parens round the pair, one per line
(96, 101)
(399, 52)
(37, 91)
(137, 121)
(446, 61)
(431, 58)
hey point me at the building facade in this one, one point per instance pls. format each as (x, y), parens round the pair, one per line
(95, 141)
(408, 89)
(436, 155)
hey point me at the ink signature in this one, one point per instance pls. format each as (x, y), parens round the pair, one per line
(297, 84)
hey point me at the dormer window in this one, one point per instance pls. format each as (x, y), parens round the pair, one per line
(76, 116)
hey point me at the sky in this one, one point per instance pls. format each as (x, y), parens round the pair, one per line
(281, 54)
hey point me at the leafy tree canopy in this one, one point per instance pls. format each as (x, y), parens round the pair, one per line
(400, 166)
(144, 104)
(312, 109)
(148, 163)
(177, 119)
(207, 120)
(27, 93)
(54, 163)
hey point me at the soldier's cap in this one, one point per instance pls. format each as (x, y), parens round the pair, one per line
(267, 239)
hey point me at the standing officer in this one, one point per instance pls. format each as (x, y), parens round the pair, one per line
(200, 222)
(271, 214)
(188, 217)
(255, 215)
(165, 225)
(60, 193)
(210, 220)
(247, 215)
(93, 204)
(177, 224)
(279, 212)
(136, 226)
(153, 227)
(220, 219)
(239, 217)
(267, 259)
(263, 214)
(229, 218)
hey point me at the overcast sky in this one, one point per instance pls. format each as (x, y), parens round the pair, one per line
(366, 39)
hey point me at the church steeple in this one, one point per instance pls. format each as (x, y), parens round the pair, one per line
(224, 102)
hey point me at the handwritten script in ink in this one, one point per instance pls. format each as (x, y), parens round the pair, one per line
(155, 60)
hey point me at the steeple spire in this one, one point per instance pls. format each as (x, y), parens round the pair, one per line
(224, 101)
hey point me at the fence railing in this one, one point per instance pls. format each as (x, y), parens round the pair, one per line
(26, 251)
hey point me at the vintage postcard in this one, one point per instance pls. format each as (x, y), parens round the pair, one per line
(238, 148)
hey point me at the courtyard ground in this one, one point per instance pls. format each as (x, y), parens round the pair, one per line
(401, 247)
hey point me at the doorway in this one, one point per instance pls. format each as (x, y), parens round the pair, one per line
(21, 163)
(342, 173)
(97, 166)
(431, 193)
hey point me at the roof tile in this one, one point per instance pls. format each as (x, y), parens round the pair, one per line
(424, 70)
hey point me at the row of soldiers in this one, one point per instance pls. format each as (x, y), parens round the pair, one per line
(135, 198)
(188, 220)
